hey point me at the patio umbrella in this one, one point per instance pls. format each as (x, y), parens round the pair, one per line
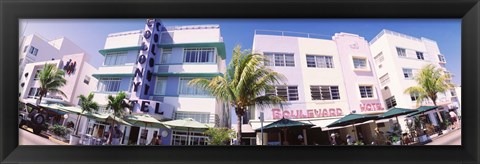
(91, 115)
(421, 110)
(283, 124)
(186, 124)
(110, 119)
(52, 107)
(144, 120)
(395, 112)
(352, 119)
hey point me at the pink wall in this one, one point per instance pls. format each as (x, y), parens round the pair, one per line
(350, 45)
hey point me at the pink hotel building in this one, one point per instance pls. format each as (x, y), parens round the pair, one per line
(326, 80)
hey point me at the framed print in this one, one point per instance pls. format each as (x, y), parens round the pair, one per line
(223, 81)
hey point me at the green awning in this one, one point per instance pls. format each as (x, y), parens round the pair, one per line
(100, 75)
(181, 74)
(422, 109)
(285, 123)
(352, 119)
(105, 51)
(394, 112)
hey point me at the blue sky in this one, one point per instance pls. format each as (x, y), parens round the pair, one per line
(90, 34)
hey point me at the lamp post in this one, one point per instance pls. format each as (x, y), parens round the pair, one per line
(65, 116)
(261, 125)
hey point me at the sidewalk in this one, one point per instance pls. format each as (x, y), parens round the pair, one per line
(436, 136)
(48, 137)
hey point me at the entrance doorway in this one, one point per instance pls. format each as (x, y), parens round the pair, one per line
(133, 135)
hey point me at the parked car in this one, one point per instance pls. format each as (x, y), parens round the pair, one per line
(33, 118)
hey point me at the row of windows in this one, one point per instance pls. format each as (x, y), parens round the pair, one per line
(319, 61)
(289, 93)
(403, 53)
(191, 55)
(314, 61)
(202, 117)
(116, 58)
(32, 50)
(279, 59)
(318, 92)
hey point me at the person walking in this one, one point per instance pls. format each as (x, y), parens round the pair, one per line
(333, 140)
(454, 117)
(116, 135)
(156, 140)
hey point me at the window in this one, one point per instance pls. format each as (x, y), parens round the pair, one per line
(453, 92)
(115, 58)
(441, 58)
(199, 55)
(279, 59)
(366, 91)
(289, 93)
(202, 117)
(86, 80)
(390, 102)
(401, 52)
(420, 55)
(186, 89)
(407, 73)
(25, 49)
(160, 86)
(109, 85)
(166, 55)
(324, 92)
(189, 138)
(33, 92)
(359, 63)
(414, 96)
(36, 74)
(33, 51)
(385, 79)
(319, 61)
(379, 58)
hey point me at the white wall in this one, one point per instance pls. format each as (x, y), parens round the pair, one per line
(123, 39)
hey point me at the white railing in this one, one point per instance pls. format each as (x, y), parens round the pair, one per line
(385, 31)
(292, 34)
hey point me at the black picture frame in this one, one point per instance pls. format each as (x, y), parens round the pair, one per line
(467, 10)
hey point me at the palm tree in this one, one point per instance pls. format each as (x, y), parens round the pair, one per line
(244, 84)
(118, 105)
(87, 104)
(51, 80)
(430, 81)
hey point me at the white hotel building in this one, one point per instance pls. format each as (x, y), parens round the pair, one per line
(326, 80)
(36, 53)
(181, 54)
(398, 57)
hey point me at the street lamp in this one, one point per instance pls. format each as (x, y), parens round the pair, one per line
(65, 116)
(261, 125)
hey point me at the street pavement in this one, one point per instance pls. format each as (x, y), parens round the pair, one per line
(452, 138)
(28, 138)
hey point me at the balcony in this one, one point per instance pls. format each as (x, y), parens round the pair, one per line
(115, 71)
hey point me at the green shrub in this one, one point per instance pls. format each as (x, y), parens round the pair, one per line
(220, 136)
(59, 130)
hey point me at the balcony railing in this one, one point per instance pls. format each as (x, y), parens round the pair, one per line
(292, 34)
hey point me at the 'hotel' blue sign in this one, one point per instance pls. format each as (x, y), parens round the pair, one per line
(143, 82)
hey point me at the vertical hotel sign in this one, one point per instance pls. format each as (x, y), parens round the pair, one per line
(143, 82)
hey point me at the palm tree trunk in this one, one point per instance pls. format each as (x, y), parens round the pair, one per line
(77, 124)
(39, 100)
(438, 112)
(239, 127)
